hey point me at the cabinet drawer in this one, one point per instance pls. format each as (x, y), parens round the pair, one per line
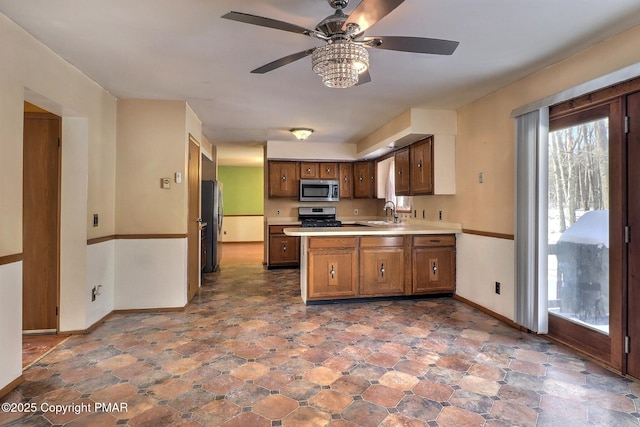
(278, 229)
(381, 241)
(435, 240)
(333, 242)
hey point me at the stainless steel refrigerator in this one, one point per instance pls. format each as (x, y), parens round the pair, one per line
(212, 213)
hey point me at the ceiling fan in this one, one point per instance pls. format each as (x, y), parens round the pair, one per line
(343, 60)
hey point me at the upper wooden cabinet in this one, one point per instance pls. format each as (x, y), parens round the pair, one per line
(309, 170)
(345, 175)
(364, 180)
(318, 170)
(421, 158)
(328, 170)
(402, 172)
(284, 180)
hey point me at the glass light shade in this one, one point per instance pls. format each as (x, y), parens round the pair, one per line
(339, 62)
(301, 133)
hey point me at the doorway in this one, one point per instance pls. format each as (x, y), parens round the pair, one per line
(41, 221)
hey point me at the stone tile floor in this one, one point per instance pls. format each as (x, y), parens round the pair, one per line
(247, 352)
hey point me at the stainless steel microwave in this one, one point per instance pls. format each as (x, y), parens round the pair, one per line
(319, 190)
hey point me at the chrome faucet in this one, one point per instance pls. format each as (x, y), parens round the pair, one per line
(393, 210)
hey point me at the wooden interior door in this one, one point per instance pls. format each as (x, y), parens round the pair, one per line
(41, 222)
(193, 218)
(633, 217)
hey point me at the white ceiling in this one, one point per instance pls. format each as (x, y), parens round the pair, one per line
(183, 50)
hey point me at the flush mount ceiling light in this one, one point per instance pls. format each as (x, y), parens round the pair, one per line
(343, 61)
(301, 133)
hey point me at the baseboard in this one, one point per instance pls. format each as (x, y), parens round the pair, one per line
(491, 313)
(150, 310)
(11, 386)
(89, 329)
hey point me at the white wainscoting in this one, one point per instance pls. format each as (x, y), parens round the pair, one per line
(482, 261)
(11, 321)
(243, 229)
(150, 273)
(100, 271)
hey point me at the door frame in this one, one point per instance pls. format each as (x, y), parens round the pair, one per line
(193, 217)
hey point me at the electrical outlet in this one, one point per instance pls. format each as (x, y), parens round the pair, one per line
(498, 288)
(95, 220)
(94, 293)
(481, 177)
(278, 212)
(355, 211)
(440, 215)
(424, 214)
(415, 213)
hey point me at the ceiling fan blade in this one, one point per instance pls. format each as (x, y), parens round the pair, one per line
(363, 78)
(282, 61)
(270, 23)
(368, 12)
(413, 44)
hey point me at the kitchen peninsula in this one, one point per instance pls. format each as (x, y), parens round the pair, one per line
(376, 259)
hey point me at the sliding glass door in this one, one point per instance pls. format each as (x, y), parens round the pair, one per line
(578, 219)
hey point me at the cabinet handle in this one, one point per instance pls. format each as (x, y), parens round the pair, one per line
(284, 178)
(382, 270)
(400, 172)
(420, 164)
(284, 248)
(361, 178)
(345, 178)
(332, 272)
(328, 170)
(435, 268)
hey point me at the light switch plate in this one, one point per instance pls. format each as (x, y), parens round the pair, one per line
(178, 177)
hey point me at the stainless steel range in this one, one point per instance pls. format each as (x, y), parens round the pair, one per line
(318, 217)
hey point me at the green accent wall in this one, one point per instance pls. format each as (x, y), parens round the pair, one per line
(243, 189)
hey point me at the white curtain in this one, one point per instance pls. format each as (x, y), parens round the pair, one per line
(531, 305)
(390, 191)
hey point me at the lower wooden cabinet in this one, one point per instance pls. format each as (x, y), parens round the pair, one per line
(332, 268)
(284, 251)
(382, 262)
(433, 264)
(371, 266)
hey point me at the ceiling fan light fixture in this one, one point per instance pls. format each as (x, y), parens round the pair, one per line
(301, 133)
(339, 62)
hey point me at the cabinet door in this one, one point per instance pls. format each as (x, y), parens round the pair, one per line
(309, 170)
(364, 180)
(283, 179)
(434, 270)
(381, 271)
(332, 274)
(402, 172)
(284, 250)
(422, 167)
(346, 180)
(328, 170)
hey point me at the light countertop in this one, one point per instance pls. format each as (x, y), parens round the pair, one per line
(376, 228)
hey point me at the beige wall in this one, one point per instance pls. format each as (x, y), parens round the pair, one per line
(152, 143)
(30, 71)
(485, 139)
